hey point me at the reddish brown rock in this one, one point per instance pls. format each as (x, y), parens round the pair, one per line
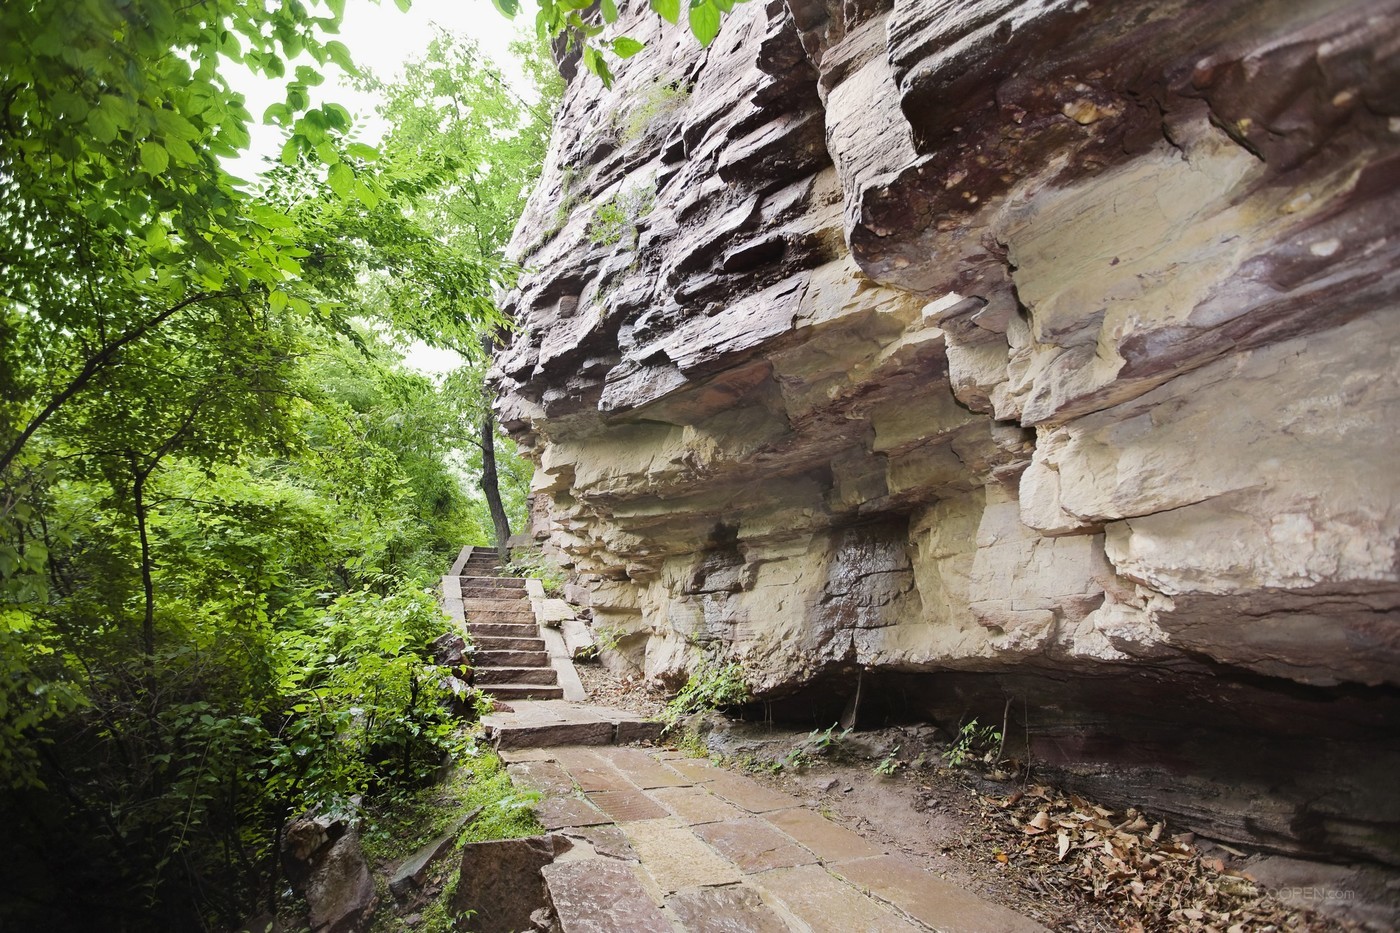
(500, 883)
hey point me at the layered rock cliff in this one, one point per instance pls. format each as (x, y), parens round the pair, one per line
(1031, 349)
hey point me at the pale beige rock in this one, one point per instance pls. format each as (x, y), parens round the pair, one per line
(992, 337)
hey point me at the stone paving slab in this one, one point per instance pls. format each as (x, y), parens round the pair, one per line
(732, 909)
(606, 840)
(736, 856)
(747, 794)
(694, 805)
(643, 770)
(511, 755)
(628, 806)
(944, 907)
(561, 812)
(754, 845)
(697, 770)
(592, 773)
(675, 858)
(828, 841)
(602, 895)
(827, 904)
(543, 776)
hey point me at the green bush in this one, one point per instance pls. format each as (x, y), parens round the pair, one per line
(711, 685)
(532, 563)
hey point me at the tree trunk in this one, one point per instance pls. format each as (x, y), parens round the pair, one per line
(148, 622)
(492, 487)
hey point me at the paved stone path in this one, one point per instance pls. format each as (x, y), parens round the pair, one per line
(663, 842)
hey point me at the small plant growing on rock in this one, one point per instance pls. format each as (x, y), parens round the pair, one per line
(821, 743)
(889, 764)
(711, 686)
(527, 562)
(973, 741)
(661, 100)
(617, 217)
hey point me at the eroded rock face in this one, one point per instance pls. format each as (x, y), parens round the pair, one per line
(1051, 336)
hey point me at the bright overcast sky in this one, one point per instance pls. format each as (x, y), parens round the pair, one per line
(381, 39)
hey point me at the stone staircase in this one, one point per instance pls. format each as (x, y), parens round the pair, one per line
(511, 660)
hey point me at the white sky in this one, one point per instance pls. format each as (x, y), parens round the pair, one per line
(381, 39)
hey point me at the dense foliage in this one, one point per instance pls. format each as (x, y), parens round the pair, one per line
(221, 494)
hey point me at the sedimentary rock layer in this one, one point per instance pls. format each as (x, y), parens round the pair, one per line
(1053, 337)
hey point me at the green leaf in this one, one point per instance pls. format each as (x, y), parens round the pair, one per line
(704, 21)
(626, 47)
(172, 124)
(290, 150)
(669, 10)
(337, 52)
(403, 5)
(181, 150)
(154, 158)
(366, 194)
(102, 125)
(341, 180)
(277, 300)
(507, 8)
(609, 11)
(362, 151)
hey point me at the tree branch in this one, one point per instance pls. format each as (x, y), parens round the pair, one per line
(94, 365)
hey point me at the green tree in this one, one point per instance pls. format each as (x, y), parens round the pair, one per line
(452, 117)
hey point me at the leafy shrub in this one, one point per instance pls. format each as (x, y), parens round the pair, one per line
(711, 686)
(531, 562)
(973, 741)
(821, 743)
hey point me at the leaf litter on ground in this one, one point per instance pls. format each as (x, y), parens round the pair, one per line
(1149, 879)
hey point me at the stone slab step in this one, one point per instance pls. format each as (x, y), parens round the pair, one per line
(507, 604)
(495, 657)
(530, 643)
(489, 592)
(502, 629)
(505, 583)
(523, 691)
(506, 618)
(515, 675)
(601, 894)
(552, 723)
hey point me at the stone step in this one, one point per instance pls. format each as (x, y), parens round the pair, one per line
(508, 583)
(523, 691)
(515, 675)
(502, 630)
(506, 604)
(531, 643)
(510, 618)
(512, 658)
(495, 593)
